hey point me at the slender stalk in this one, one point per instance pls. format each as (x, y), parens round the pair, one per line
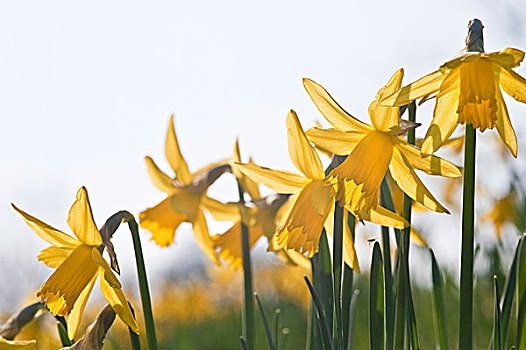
(337, 275)
(151, 337)
(249, 317)
(388, 273)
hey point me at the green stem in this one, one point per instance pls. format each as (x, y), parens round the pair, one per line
(466, 260)
(388, 273)
(249, 317)
(151, 338)
(337, 275)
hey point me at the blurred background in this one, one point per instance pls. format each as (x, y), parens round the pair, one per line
(88, 88)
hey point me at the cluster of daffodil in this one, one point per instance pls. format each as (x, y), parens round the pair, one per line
(373, 177)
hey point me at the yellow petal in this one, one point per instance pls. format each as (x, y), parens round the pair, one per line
(74, 318)
(416, 238)
(54, 256)
(302, 154)
(115, 297)
(229, 244)
(334, 140)
(431, 165)
(159, 179)
(445, 120)
(203, 238)
(509, 58)
(381, 216)
(349, 252)
(506, 132)
(80, 220)
(331, 110)
(247, 184)
(174, 156)
(320, 200)
(292, 257)
(69, 280)
(17, 344)
(278, 180)
(48, 233)
(387, 119)
(409, 182)
(221, 211)
(428, 84)
(108, 274)
(513, 84)
(162, 221)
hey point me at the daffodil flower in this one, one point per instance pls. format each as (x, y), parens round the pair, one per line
(372, 151)
(313, 193)
(17, 344)
(186, 199)
(78, 262)
(467, 89)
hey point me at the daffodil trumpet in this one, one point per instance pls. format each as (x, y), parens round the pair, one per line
(78, 262)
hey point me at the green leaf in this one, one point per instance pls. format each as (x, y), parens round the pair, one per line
(440, 309)
(497, 325)
(322, 318)
(265, 324)
(509, 293)
(376, 300)
(352, 316)
(521, 276)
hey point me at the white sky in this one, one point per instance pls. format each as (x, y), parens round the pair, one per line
(88, 87)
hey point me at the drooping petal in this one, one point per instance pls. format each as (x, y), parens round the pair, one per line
(174, 156)
(221, 211)
(159, 179)
(162, 221)
(381, 216)
(278, 180)
(115, 297)
(74, 318)
(506, 132)
(508, 58)
(17, 344)
(445, 120)
(409, 182)
(513, 84)
(337, 142)
(416, 238)
(54, 256)
(331, 110)
(107, 274)
(302, 154)
(203, 238)
(250, 186)
(349, 252)
(80, 220)
(229, 244)
(431, 165)
(426, 85)
(387, 119)
(48, 233)
(69, 280)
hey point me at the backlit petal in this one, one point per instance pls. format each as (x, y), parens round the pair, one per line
(431, 165)
(80, 220)
(174, 156)
(115, 297)
(302, 154)
(221, 211)
(159, 179)
(247, 183)
(17, 344)
(331, 110)
(513, 84)
(54, 256)
(278, 180)
(409, 182)
(74, 318)
(349, 252)
(48, 233)
(334, 140)
(229, 244)
(506, 132)
(203, 238)
(426, 85)
(387, 119)
(508, 58)
(381, 216)
(104, 267)
(162, 221)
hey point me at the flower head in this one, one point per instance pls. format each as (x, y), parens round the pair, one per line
(467, 89)
(186, 198)
(371, 151)
(78, 262)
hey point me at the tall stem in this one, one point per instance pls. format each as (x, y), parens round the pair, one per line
(337, 273)
(249, 317)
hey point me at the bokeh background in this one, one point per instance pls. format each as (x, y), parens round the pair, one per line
(87, 89)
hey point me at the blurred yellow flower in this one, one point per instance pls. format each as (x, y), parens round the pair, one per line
(467, 91)
(313, 193)
(17, 344)
(371, 151)
(186, 199)
(78, 262)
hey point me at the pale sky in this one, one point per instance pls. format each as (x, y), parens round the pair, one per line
(88, 88)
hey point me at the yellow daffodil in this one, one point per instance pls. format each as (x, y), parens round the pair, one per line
(78, 262)
(504, 211)
(467, 89)
(313, 193)
(371, 151)
(186, 199)
(17, 344)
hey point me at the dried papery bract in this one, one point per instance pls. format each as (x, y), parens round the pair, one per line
(93, 337)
